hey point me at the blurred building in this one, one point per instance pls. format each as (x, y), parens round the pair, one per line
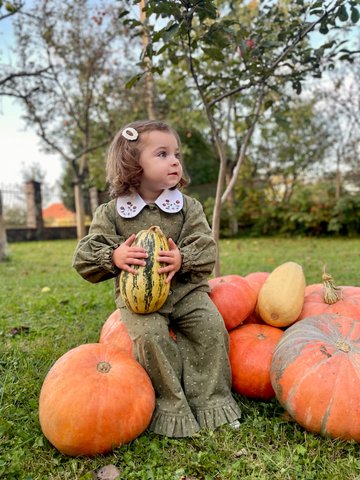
(57, 215)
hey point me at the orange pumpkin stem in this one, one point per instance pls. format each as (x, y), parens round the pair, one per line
(332, 293)
(103, 367)
(343, 346)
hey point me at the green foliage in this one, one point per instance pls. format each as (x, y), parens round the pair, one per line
(346, 216)
(251, 39)
(39, 324)
(199, 157)
(309, 211)
(312, 210)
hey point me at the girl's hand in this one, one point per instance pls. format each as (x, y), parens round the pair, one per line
(126, 255)
(173, 259)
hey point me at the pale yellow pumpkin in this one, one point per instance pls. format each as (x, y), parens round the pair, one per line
(281, 297)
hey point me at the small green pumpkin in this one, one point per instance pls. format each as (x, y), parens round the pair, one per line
(147, 291)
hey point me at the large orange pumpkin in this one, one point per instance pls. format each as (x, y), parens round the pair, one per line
(315, 373)
(251, 349)
(234, 298)
(93, 399)
(327, 298)
(115, 332)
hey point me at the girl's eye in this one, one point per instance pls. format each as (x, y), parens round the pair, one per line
(162, 154)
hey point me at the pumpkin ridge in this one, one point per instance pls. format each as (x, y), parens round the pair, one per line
(148, 272)
(340, 376)
(309, 373)
(323, 426)
(294, 352)
(355, 344)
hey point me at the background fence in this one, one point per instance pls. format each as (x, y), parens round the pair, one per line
(22, 217)
(13, 196)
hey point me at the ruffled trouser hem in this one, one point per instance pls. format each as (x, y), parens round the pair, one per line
(212, 418)
(186, 425)
(174, 425)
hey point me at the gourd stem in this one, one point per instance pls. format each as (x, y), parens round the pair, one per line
(332, 293)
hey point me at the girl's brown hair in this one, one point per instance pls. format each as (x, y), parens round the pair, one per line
(123, 170)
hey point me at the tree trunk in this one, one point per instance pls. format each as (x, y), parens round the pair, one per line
(232, 222)
(337, 178)
(94, 199)
(217, 212)
(80, 211)
(149, 81)
(3, 239)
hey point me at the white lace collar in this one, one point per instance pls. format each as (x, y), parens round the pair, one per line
(170, 201)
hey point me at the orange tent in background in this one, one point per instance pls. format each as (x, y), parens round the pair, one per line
(57, 215)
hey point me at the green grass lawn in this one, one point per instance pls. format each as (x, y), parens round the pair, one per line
(46, 309)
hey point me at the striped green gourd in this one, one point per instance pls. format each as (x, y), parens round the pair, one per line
(146, 291)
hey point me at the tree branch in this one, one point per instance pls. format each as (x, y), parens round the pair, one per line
(244, 146)
(230, 93)
(12, 76)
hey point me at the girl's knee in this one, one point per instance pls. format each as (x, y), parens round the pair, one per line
(145, 326)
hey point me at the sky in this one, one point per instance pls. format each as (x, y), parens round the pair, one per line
(19, 145)
(20, 149)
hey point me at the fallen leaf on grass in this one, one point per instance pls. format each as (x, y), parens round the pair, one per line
(109, 472)
(18, 330)
(241, 452)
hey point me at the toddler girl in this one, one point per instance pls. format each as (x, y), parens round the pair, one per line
(191, 377)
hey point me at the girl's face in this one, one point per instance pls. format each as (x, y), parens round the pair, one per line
(160, 160)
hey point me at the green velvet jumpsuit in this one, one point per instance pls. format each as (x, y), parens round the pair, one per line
(192, 376)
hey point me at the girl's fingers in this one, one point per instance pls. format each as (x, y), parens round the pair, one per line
(135, 261)
(166, 260)
(172, 244)
(169, 277)
(129, 241)
(127, 268)
(138, 250)
(169, 268)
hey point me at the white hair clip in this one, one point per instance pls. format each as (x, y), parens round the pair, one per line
(130, 133)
